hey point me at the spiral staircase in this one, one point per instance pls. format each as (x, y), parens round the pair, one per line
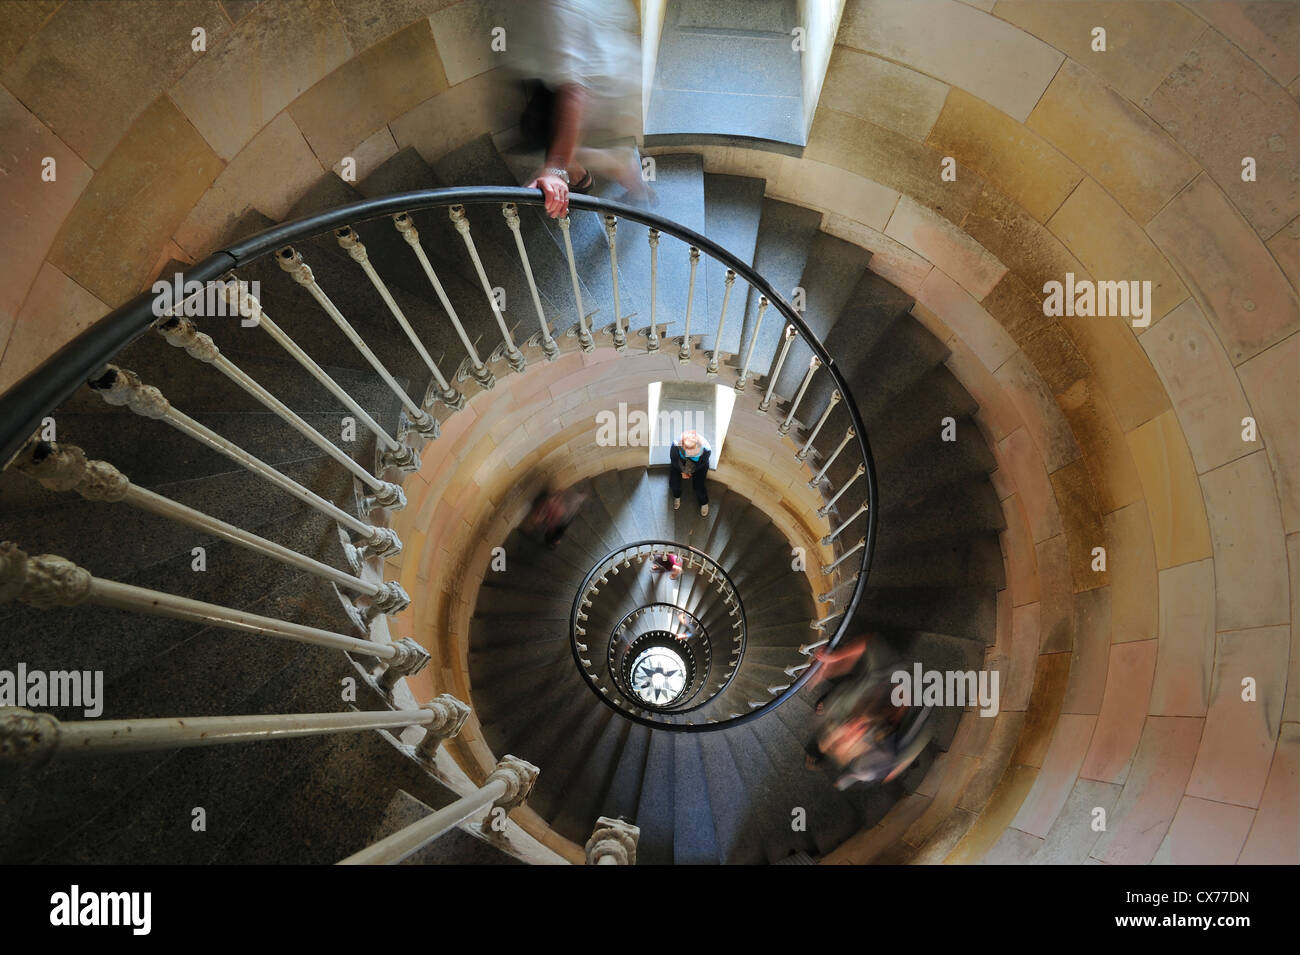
(719, 784)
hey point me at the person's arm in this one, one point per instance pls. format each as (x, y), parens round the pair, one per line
(570, 108)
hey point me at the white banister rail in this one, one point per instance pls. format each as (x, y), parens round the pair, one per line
(395, 454)
(121, 387)
(65, 468)
(33, 738)
(292, 262)
(507, 787)
(46, 580)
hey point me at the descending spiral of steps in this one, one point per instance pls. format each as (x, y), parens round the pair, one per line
(724, 796)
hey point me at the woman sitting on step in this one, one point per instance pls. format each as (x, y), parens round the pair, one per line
(689, 457)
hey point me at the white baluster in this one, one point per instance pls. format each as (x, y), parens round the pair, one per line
(612, 842)
(712, 367)
(653, 335)
(549, 347)
(825, 508)
(351, 242)
(65, 468)
(684, 353)
(807, 446)
(33, 738)
(512, 354)
(585, 341)
(449, 715)
(45, 581)
(817, 478)
(830, 538)
(508, 786)
(395, 453)
(829, 568)
(477, 369)
(120, 387)
(421, 421)
(753, 340)
(813, 364)
(182, 333)
(788, 339)
(620, 334)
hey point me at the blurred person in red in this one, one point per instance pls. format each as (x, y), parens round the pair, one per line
(552, 513)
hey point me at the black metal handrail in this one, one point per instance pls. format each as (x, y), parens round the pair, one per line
(25, 404)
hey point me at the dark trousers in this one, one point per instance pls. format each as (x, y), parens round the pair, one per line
(699, 481)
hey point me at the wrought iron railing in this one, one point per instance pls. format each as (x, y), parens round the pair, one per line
(48, 580)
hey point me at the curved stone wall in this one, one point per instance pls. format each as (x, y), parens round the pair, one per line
(1124, 686)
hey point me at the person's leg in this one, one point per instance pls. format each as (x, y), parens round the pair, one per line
(699, 481)
(675, 482)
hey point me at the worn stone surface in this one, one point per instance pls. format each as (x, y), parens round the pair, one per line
(1056, 603)
(1013, 303)
(1237, 745)
(259, 68)
(463, 32)
(1081, 517)
(1186, 660)
(1123, 710)
(1120, 368)
(1055, 355)
(376, 86)
(1131, 557)
(1249, 546)
(1272, 383)
(369, 21)
(93, 68)
(486, 103)
(1205, 833)
(1112, 247)
(891, 160)
(963, 315)
(950, 249)
(1105, 452)
(1151, 795)
(1019, 241)
(962, 46)
(1006, 153)
(36, 208)
(1042, 416)
(1090, 654)
(1018, 548)
(1019, 456)
(270, 174)
(1144, 41)
(883, 93)
(1228, 270)
(1172, 493)
(1221, 107)
(1285, 246)
(55, 311)
(1272, 836)
(1072, 837)
(831, 189)
(19, 21)
(1112, 140)
(1051, 677)
(1043, 805)
(369, 154)
(1202, 384)
(134, 203)
(1268, 32)
(997, 815)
